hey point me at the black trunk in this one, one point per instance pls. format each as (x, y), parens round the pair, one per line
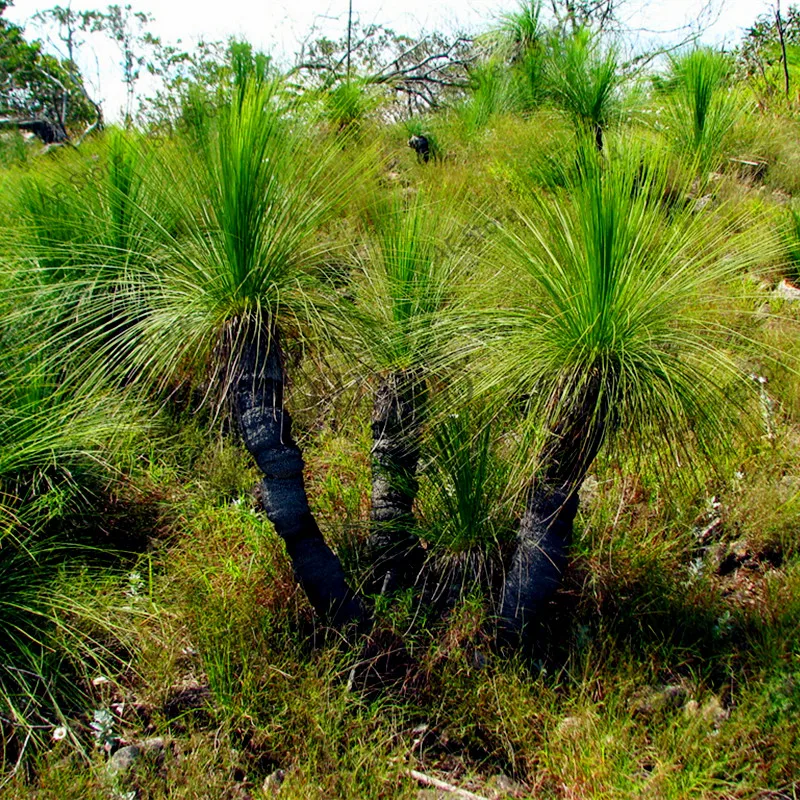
(598, 138)
(266, 428)
(540, 557)
(48, 132)
(395, 552)
(545, 530)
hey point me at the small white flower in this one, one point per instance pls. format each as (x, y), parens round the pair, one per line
(99, 680)
(59, 733)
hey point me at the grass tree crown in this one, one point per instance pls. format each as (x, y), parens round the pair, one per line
(605, 324)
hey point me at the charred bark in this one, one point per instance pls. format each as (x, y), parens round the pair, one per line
(266, 427)
(598, 138)
(395, 551)
(545, 530)
(540, 557)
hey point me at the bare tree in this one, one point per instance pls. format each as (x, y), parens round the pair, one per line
(420, 72)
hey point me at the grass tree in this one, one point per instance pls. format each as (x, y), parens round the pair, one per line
(407, 273)
(217, 298)
(584, 80)
(462, 506)
(702, 108)
(607, 336)
(521, 41)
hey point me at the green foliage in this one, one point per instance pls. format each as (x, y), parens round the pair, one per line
(703, 108)
(606, 294)
(243, 238)
(585, 81)
(463, 504)
(760, 56)
(348, 104)
(609, 298)
(493, 91)
(793, 241)
(39, 86)
(408, 274)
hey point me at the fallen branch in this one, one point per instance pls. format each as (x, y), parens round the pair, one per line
(427, 780)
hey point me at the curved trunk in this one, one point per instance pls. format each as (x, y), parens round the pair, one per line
(545, 530)
(266, 427)
(395, 552)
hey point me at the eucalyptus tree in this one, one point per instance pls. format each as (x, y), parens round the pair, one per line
(606, 336)
(407, 273)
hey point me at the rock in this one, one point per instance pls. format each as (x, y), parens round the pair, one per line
(713, 712)
(648, 702)
(500, 786)
(787, 291)
(702, 202)
(123, 759)
(589, 490)
(273, 782)
(154, 745)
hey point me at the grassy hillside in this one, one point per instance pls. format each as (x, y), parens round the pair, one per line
(540, 389)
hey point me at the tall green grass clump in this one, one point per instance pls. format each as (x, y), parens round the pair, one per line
(585, 81)
(521, 41)
(54, 459)
(493, 92)
(607, 333)
(404, 282)
(703, 107)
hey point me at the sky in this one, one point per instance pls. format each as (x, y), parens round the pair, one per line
(279, 26)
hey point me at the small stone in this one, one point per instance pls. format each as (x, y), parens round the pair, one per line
(787, 291)
(123, 759)
(154, 745)
(589, 490)
(713, 712)
(691, 708)
(273, 782)
(653, 701)
(501, 786)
